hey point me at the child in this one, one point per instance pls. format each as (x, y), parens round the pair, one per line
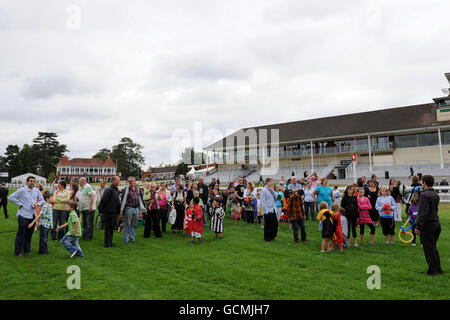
(412, 214)
(398, 200)
(197, 221)
(344, 224)
(259, 215)
(364, 217)
(336, 195)
(45, 221)
(325, 216)
(235, 206)
(217, 216)
(188, 219)
(70, 240)
(385, 205)
(338, 236)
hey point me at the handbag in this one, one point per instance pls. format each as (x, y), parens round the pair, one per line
(172, 216)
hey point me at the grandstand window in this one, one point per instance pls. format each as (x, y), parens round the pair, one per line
(406, 141)
(445, 136)
(428, 139)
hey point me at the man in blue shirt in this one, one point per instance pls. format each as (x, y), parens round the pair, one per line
(28, 198)
(268, 198)
(294, 186)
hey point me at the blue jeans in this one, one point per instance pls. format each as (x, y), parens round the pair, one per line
(310, 209)
(43, 239)
(130, 224)
(88, 224)
(59, 218)
(71, 244)
(23, 236)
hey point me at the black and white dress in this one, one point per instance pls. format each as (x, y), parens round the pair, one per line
(217, 218)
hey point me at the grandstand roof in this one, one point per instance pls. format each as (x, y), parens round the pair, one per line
(392, 119)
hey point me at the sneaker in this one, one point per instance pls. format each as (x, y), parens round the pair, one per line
(74, 253)
(262, 227)
(355, 245)
(387, 242)
(413, 244)
(392, 242)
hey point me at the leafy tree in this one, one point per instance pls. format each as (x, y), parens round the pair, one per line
(128, 157)
(103, 154)
(28, 160)
(182, 168)
(12, 163)
(48, 151)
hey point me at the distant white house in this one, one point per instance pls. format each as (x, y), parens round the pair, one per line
(22, 179)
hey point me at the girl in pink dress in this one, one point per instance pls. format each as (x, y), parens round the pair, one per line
(364, 218)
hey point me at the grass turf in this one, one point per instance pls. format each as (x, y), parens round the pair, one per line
(241, 266)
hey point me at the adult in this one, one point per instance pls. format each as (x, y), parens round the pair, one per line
(213, 182)
(444, 183)
(314, 178)
(415, 188)
(164, 200)
(152, 216)
(296, 214)
(411, 172)
(174, 186)
(191, 192)
(109, 206)
(131, 205)
(27, 199)
(99, 194)
(146, 194)
(374, 178)
(204, 193)
(294, 186)
(268, 198)
(4, 199)
(371, 193)
(324, 193)
(179, 203)
(350, 203)
(428, 226)
(61, 199)
(86, 205)
(310, 208)
(250, 197)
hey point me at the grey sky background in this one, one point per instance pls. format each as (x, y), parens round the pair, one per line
(144, 69)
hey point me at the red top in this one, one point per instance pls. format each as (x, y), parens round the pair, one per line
(197, 223)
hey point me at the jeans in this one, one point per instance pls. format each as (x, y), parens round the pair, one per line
(295, 225)
(23, 236)
(71, 244)
(59, 218)
(88, 224)
(310, 208)
(130, 224)
(43, 239)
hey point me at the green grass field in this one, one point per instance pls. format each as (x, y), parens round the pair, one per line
(241, 266)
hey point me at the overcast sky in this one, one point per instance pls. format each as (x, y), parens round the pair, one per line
(144, 69)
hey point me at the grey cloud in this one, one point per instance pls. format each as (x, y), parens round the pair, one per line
(48, 86)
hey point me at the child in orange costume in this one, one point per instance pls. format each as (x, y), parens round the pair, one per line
(338, 237)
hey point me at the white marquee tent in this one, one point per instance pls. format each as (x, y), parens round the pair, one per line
(22, 179)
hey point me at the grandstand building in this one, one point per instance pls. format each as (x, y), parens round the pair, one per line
(389, 140)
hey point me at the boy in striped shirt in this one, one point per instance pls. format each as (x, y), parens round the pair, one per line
(44, 220)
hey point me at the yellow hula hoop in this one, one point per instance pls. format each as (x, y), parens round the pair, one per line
(410, 235)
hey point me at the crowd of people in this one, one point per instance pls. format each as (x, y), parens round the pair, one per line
(66, 212)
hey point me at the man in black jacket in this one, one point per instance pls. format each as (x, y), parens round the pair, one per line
(204, 195)
(427, 224)
(4, 199)
(109, 206)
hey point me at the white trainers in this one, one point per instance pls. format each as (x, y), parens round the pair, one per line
(74, 253)
(355, 245)
(387, 242)
(413, 244)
